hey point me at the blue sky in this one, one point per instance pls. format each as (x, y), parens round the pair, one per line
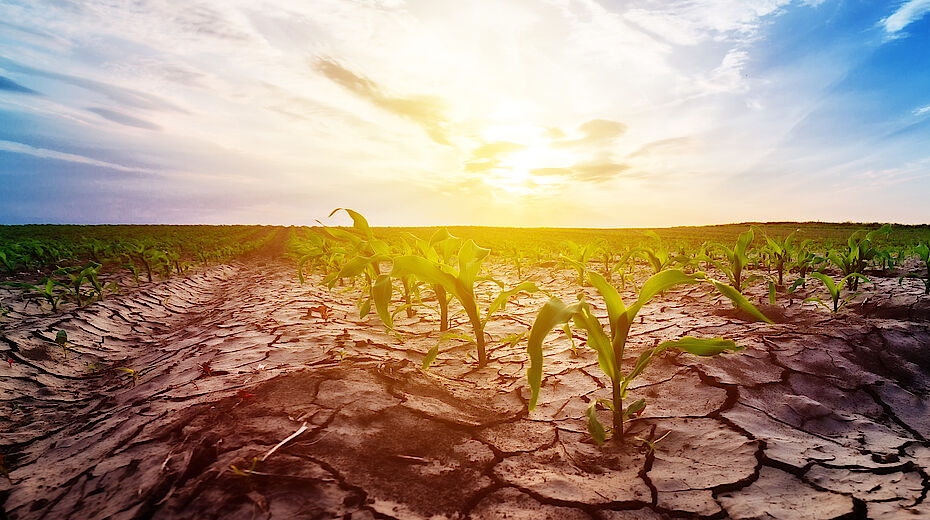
(555, 113)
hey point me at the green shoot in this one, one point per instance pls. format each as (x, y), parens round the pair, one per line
(61, 339)
(650, 445)
(835, 290)
(610, 346)
(132, 374)
(245, 472)
(737, 260)
(923, 253)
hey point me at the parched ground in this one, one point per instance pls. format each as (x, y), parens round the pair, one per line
(820, 416)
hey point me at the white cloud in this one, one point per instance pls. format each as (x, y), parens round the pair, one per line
(12, 146)
(909, 12)
(922, 110)
(242, 73)
(689, 22)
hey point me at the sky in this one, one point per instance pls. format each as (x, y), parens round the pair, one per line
(574, 113)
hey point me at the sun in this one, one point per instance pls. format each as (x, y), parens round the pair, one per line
(525, 166)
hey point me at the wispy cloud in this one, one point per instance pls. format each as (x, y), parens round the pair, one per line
(596, 172)
(592, 103)
(14, 147)
(124, 119)
(11, 86)
(124, 96)
(908, 13)
(594, 132)
(427, 111)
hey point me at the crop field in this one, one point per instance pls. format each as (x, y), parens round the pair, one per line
(765, 370)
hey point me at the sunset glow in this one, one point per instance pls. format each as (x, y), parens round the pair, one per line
(558, 113)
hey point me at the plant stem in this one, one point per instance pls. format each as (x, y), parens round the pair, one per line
(443, 307)
(482, 353)
(618, 411)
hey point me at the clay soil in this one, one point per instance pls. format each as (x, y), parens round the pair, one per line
(820, 416)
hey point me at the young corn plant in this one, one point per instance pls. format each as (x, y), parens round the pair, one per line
(803, 263)
(578, 257)
(610, 344)
(440, 249)
(923, 253)
(78, 275)
(780, 252)
(835, 290)
(46, 290)
(9, 260)
(658, 255)
(860, 250)
(460, 284)
(499, 303)
(61, 339)
(364, 261)
(737, 260)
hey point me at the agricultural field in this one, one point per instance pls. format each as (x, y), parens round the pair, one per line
(770, 370)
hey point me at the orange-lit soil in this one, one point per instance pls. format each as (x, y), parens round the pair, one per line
(819, 417)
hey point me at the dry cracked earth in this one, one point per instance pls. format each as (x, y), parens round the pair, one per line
(820, 416)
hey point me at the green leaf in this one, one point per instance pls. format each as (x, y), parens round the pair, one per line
(359, 222)
(705, 347)
(853, 275)
(553, 313)
(364, 308)
(61, 338)
(828, 283)
(615, 306)
(381, 294)
(439, 236)
(742, 243)
(660, 282)
(634, 408)
(597, 339)
(470, 258)
(740, 301)
(642, 362)
(595, 428)
(357, 265)
(431, 273)
(501, 301)
(431, 356)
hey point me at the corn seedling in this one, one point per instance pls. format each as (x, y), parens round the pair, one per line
(780, 252)
(498, 304)
(460, 284)
(578, 257)
(859, 251)
(8, 260)
(46, 290)
(650, 443)
(78, 275)
(132, 374)
(835, 290)
(245, 472)
(657, 256)
(61, 339)
(923, 253)
(610, 347)
(737, 260)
